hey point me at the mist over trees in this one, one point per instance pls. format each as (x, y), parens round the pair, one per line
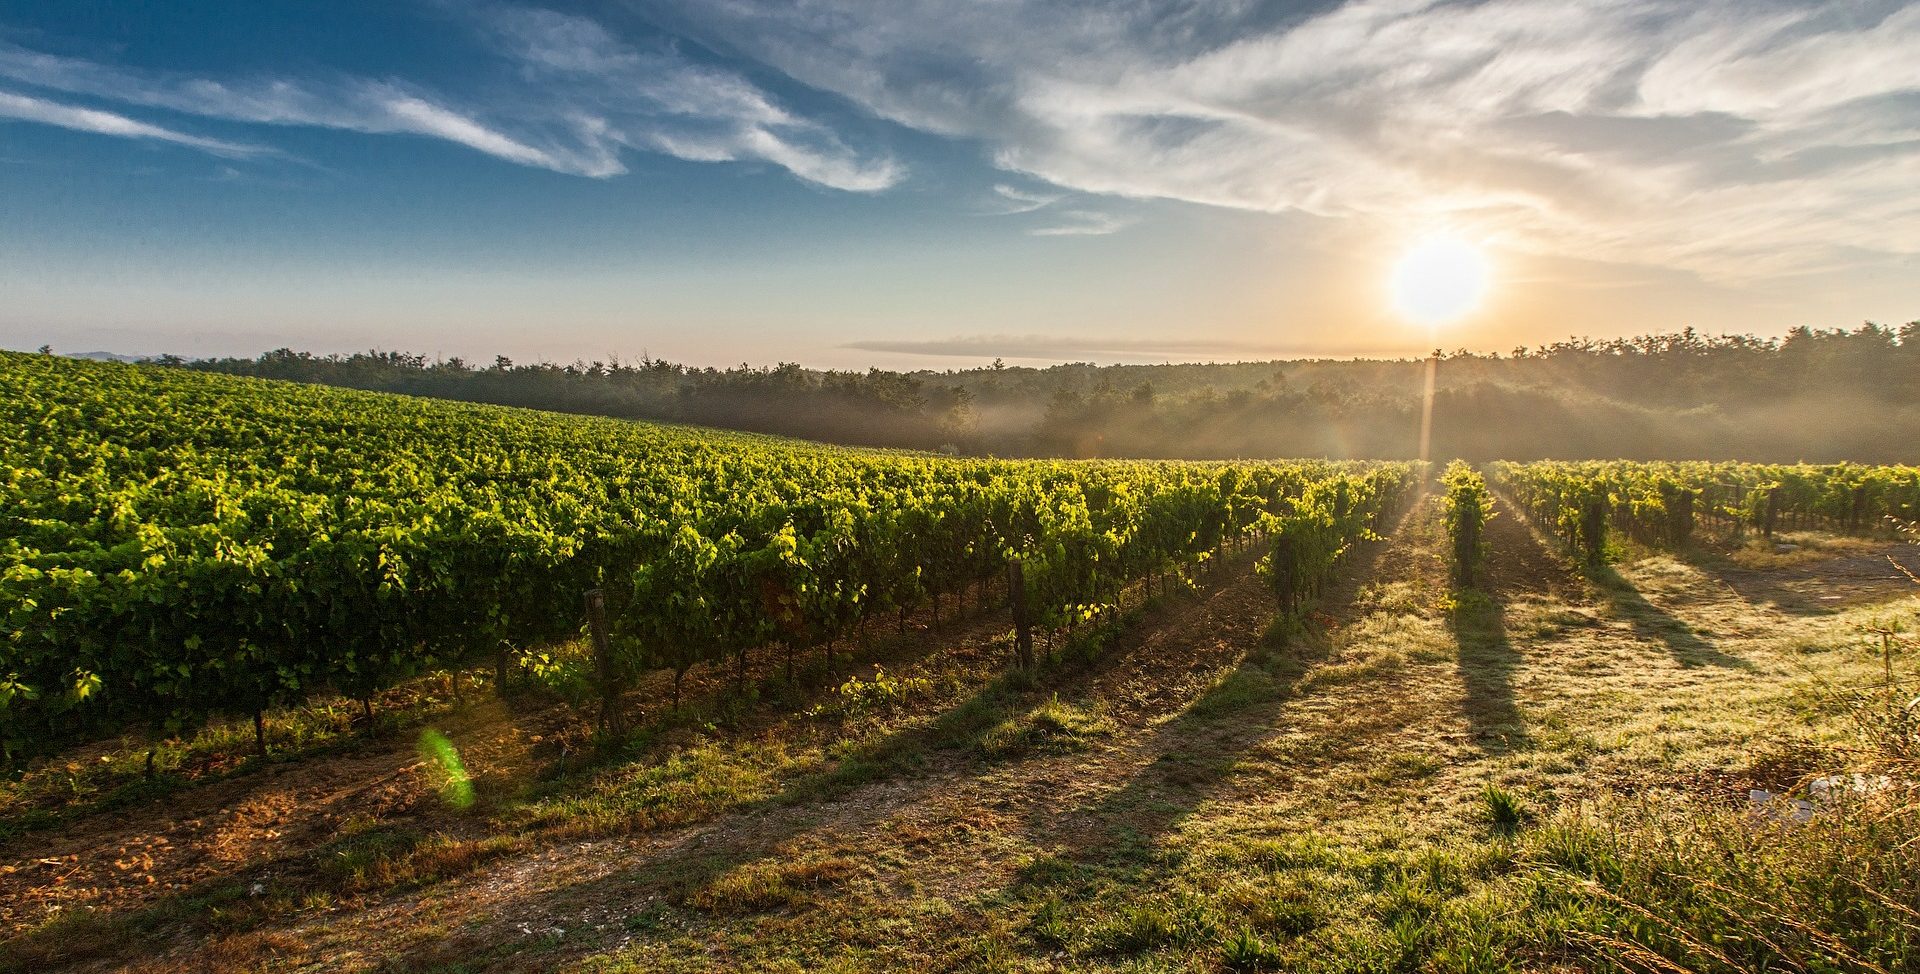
(1816, 395)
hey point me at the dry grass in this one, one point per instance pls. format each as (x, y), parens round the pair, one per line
(758, 886)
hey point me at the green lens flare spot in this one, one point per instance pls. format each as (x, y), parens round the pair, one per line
(456, 786)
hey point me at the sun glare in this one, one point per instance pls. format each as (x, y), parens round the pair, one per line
(1442, 278)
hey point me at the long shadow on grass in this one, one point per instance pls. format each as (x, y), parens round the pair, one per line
(1517, 564)
(852, 796)
(1649, 621)
(710, 700)
(1195, 759)
(1487, 661)
(222, 904)
(1654, 624)
(1200, 754)
(875, 782)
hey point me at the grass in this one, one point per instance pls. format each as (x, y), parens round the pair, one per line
(1717, 889)
(1505, 810)
(761, 886)
(392, 858)
(689, 784)
(1367, 827)
(1051, 727)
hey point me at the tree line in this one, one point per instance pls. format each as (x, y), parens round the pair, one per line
(1814, 394)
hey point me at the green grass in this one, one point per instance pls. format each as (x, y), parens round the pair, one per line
(1053, 726)
(1505, 810)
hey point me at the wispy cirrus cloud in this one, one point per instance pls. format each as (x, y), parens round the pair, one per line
(1736, 139)
(657, 99)
(1012, 200)
(81, 119)
(350, 104)
(1084, 223)
(578, 98)
(1733, 138)
(1065, 222)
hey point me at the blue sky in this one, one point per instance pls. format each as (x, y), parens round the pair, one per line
(912, 183)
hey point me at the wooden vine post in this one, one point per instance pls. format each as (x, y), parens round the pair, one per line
(1593, 529)
(607, 673)
(1680, 518)
(1022, 621)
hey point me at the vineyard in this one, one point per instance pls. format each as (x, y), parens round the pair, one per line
(175, 546)
(299, 677)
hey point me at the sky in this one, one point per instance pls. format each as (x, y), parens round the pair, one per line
(934, 184)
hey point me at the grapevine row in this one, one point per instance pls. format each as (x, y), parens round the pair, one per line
(1468, 507)
(176, 545)
(1662, 504)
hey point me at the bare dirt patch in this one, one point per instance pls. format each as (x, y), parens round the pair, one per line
(1821, 581)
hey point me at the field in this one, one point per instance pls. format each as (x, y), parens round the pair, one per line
(1277, 716)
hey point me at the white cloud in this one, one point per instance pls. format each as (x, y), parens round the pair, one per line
(356, 105)
(580, 98)
(1764, 69)
(662, 101)
(1734, 139)
(1084, 223)
(80, 119)
(1011, 200)
(1079, 222)
(411, 114)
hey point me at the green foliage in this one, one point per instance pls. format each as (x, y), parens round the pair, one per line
(1311, 530)
(882, 692)
(175, 545)
(562, 669)
(1469, 506)
(1661, 503)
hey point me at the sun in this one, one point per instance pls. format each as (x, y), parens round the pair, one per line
(1440, 279)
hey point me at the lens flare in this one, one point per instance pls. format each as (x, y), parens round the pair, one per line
(1441, 278)
(456, 786)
